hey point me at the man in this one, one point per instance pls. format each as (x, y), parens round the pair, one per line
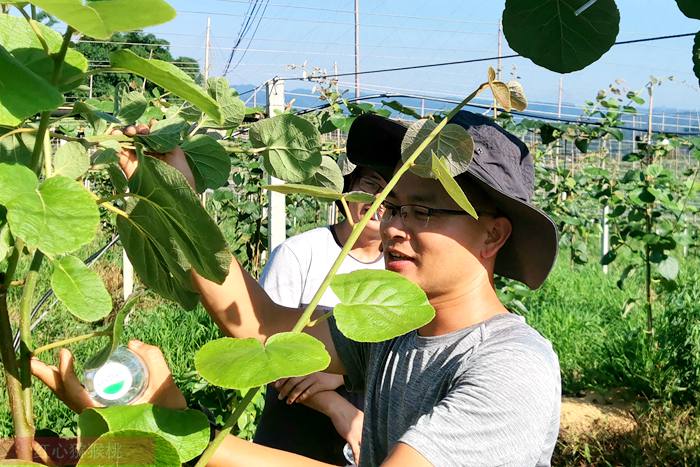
(476, 385)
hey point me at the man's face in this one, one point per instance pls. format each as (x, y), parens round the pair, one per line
(441, 256)
(370, 182)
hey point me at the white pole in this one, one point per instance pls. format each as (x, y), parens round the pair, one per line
(207, 45)
(561, 92)
(276, 204)
(357, 48)
(605, 237)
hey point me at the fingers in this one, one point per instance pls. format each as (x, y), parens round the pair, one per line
(161, 389)
(133, 130)
(47, 374)
(303, 386)
(76, 397)
(286, 388)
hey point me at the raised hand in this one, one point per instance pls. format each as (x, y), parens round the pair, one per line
(128, 160)
(63, 382)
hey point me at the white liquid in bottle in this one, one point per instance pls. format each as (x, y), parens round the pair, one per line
(119, 381)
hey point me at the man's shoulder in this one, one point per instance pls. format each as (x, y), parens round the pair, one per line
(509, 336)
(308, 238)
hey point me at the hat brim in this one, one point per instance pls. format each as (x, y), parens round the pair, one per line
(531, 250)
(527, 256)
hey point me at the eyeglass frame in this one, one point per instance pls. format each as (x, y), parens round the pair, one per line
(388, 207)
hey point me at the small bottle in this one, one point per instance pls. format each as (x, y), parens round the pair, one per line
(119, 381)
(349, 456)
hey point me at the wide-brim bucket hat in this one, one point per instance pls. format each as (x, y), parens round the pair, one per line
(502, 167)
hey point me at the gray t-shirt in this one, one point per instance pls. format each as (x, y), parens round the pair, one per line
(486, 395)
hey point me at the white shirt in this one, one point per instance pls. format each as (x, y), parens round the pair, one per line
(298, 266)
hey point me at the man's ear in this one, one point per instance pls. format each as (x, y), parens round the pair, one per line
(497, 233)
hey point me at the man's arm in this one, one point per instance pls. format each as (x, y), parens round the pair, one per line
(239, 306)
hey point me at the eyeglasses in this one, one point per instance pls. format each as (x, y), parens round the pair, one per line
(417, 216)
(370, 186)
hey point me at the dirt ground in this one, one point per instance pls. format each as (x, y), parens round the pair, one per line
(594, 412)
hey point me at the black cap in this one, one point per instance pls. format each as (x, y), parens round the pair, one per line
(502, 166)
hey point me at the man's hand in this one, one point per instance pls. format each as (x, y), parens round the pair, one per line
(128, 160)
(63, 382)
(348, 424)
(299, 389)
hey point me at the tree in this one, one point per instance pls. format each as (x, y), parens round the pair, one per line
(142, 44)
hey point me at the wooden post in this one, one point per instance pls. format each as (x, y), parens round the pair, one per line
(276, 212)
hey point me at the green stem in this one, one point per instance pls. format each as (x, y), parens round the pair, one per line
(35, 28)
(379, 199)
(18, 130)
(37, 152)
(114, 209)
(12, 263)
(221, 435)
(25, 349)
(23, 427)
(70, 340)
(346, 208)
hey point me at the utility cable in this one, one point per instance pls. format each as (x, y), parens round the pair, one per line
(460, 62)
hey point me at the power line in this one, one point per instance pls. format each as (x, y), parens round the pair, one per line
(385, 15)
(475, 60)
(252, 36)
(250, 14)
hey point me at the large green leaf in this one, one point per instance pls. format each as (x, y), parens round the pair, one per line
(71, 160)
(170, 201)
(187, 430)
(17, 149)
(327, 175)
(164, 135)
(23, 92)
(102, 18)
(379, 305)
(442, 173)
(20, 40)
(245, 363)
(130, 448)
(292, 146)
(155, 257)
(56, 216)
(690, 8)
(168, 76)
(133, 104)
(453, 144)
(80, 289)
(696, 56)
(208, 160)
(311, 190)
(232, 107)
(549, 32)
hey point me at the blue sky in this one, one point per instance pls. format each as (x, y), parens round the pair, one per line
(398, 33)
